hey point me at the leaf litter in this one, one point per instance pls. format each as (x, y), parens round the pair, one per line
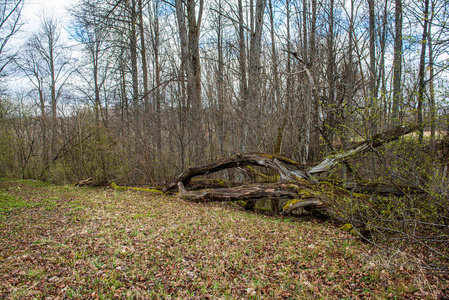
(80, 243)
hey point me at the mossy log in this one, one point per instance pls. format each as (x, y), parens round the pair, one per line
(297, 182)
(321, 199)
(243, 192)
(288, 169)
(364, 146)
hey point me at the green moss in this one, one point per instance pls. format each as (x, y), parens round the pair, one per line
(290, 203)
(354, 232)
(241, 203)
(305, 194)
(346, 227)
(124, 188)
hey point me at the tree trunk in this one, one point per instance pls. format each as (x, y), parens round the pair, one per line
(157, 74)
(189, 36)
(431, 84)
(421, 74)
(134, 71)
(254, 65)
(372, 69)
(242, 79)
(397, 62)
(143, 54)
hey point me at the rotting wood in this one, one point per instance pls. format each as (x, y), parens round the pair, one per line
(364, 146)
(296, 181)
(288, 169)
(318, 199)
(242, 193)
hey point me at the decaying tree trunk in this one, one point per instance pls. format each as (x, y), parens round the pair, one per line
(362, 147)
(297, 181)
(243, 192)
(287, 168)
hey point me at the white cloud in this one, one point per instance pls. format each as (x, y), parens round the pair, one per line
(34, 10)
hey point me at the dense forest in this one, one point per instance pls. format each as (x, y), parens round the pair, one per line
(145, 89)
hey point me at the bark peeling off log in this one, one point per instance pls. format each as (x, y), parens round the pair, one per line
(244, 193)
(290, 169)
(375, 141)
(310, 203)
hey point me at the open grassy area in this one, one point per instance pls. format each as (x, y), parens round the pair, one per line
(66, 242)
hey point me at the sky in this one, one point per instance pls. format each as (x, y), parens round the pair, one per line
(34, 10)
(32, 13)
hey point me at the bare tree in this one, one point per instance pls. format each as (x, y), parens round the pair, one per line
(52, 55)
(255, 52)
(32, 65)
(421, 74)
(189, 25)
(397, 62)
(243, 89)
(10, 13)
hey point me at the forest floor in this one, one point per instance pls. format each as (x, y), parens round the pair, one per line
(59, 242)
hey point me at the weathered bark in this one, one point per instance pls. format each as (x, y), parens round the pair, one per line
(245, 192)
(397, 62)
(288, 169)
(323, 200)
(198, 184)
(374, 142)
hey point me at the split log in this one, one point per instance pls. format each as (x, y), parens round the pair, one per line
(242, 193)
(362, 147)
(319, 199)
(288, 169)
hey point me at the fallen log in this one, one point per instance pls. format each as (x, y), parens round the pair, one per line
(364, 146)
(319, 199)
(241, 193)
(91, 182)
(288, 169)
(297, 182)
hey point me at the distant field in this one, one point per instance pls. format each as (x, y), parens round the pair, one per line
(65, 242)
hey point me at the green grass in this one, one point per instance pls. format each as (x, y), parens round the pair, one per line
(78, 243)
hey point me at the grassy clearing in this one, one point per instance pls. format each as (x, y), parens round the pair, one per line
(66, 242)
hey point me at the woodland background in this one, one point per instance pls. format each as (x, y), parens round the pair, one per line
(147, 88)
